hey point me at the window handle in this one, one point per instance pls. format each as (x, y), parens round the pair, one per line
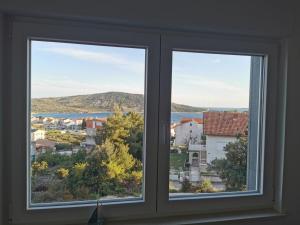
(163, 132)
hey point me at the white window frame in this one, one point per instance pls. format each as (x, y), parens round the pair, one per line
(22, 33)
(221, 202)
(157, 204)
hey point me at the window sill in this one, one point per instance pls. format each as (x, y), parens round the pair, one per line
(203, 219)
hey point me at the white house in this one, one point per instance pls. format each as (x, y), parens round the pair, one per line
(189, 130)
(37, 134)
(220, 128)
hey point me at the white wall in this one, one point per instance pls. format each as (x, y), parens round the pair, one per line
(38, 134)
(270, 18)
(215, 146)
(185, 131)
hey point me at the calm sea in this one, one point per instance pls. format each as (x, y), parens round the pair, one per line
(175, 116)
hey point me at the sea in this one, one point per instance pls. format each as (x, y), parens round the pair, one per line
(175, 116)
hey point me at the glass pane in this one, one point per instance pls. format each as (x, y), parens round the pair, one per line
(87, 122)
(210, 122)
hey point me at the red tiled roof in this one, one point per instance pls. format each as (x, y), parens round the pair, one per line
(94, 123)
(225, 123)
(188, 120)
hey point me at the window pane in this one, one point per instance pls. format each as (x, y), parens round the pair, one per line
(212, 149)
(87, 123)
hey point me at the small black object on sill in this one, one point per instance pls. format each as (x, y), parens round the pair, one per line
(97, 216)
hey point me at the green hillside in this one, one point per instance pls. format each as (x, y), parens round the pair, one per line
(101, 102)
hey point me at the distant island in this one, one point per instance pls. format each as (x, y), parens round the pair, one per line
(100, 102)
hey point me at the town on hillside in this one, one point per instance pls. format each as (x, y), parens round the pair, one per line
(196, 145)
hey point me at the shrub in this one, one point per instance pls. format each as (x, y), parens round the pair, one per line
(186, 185)
(206, 187)
(39, 167)
(62, 173)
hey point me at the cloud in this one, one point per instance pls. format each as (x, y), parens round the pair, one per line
(201, 90)
(68, 87)
(203, 81)
(98, 57)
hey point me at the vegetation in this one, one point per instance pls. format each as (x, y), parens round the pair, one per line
(102, 102)
(233, 169)
(177, 161)
(186, 186)
(112, 167)
(64, 139)
(124, 129)
(206, 187)
(39, 167)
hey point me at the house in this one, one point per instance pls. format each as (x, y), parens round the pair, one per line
(220, 128)
(41, 146)
(189, 130)
(37, 134)
(91, 127)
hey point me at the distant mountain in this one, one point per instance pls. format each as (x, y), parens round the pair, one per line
(101, 102)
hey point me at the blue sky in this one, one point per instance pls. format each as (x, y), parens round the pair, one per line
(199, 79)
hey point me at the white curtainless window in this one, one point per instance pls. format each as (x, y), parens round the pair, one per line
(149, 124)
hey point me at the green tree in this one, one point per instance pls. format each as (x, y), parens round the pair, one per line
(119, 162)
(123, 128)
(233, 169)
(136, 134)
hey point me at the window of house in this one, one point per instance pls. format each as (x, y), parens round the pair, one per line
(135, 120)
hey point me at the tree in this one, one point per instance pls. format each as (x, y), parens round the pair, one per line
(126, 129)
(136, 134)
(233, 169)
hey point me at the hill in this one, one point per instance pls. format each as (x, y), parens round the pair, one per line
(101, 102)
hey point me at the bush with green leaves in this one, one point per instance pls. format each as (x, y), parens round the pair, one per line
(55, 159)
(233, 169)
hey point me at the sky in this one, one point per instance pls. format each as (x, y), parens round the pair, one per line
(198, 79)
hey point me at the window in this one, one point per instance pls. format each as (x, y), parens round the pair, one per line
(213, 91)
(141, 121)
(203, 157)
(221, 88)
(87, 123)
